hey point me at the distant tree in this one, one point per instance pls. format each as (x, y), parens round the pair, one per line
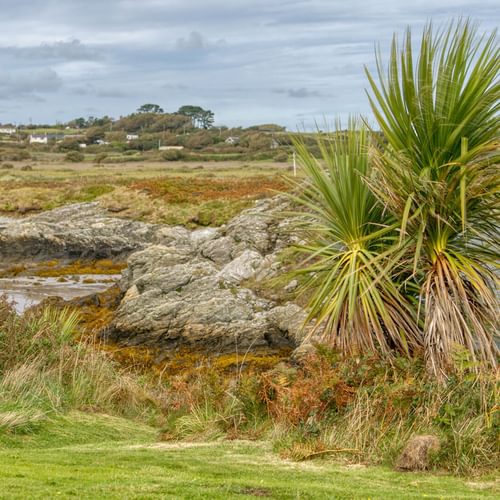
(202, 118)
(169, 122)
(74, 156)
(192, 112)
(79, 122)
(95, 133)
(150, 108)
(268, 127)
(199, 140)
(69, 145)
(206, 119)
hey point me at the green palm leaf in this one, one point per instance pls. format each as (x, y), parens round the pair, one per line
(355, 299)
(439, 179)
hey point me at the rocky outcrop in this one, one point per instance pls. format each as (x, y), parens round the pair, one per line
(75, 231)
(190, 293)
(181, 289)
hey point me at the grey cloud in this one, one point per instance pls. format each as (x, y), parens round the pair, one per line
(113, 93)
(174, 86)
(30, 84)
(87, 89)
(298, 93)
(115, 53)
(73, 50)
(108, 92)
(192, 42)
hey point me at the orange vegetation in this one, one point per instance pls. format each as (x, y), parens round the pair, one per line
(56, 268)
(184, 190)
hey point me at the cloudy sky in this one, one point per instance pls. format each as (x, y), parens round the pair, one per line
(251, 61)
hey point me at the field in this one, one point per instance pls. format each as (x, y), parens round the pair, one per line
(78, 450)
(191, 194)
(105, 457)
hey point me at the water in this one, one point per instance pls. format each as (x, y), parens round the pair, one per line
(24, 292)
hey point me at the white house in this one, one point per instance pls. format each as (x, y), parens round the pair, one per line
(38, 139)
(132, 137)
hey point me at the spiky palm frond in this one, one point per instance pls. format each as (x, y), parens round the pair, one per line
(439, 178)
(354, 298)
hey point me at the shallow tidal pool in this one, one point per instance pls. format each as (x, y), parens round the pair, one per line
(24, 292)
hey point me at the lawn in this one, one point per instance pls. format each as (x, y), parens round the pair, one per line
(105, 457)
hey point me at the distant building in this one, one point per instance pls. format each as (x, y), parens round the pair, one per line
(7, 130)
(82, 145)
(101, 142)
(233, 140)
(170, 148)
(45, 138)
(132, 137)
(39, 139)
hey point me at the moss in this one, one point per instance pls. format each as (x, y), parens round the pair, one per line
(186, 361)
(55, 268)
(96, 311)
(134, 357)
(12, 271)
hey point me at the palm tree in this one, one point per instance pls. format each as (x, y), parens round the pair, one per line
(355, 297)
(439, 178)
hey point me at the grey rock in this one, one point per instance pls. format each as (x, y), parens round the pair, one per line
(241, 268)
(75, 231)
(201, 236)
(181, 288)
(173, 235)
(218, 250)
(291, 286)
(290, 318)
(191, 296)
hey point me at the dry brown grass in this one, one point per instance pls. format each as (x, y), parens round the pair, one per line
(171, 193)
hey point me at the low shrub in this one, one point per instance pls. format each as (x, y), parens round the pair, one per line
(74, 156)
(173, 155)
(356, 409)
(281, 156)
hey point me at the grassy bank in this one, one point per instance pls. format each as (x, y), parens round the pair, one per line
(104, 457)
(73, 422)
(357, 410)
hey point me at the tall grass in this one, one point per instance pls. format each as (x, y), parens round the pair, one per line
(43, 372)
(358, 409)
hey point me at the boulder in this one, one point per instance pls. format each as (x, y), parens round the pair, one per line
(190, 292)
(242, 267)
(173, 302)
(182, 288)
(417, 453)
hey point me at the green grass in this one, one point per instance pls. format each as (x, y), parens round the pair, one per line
(88, 456)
